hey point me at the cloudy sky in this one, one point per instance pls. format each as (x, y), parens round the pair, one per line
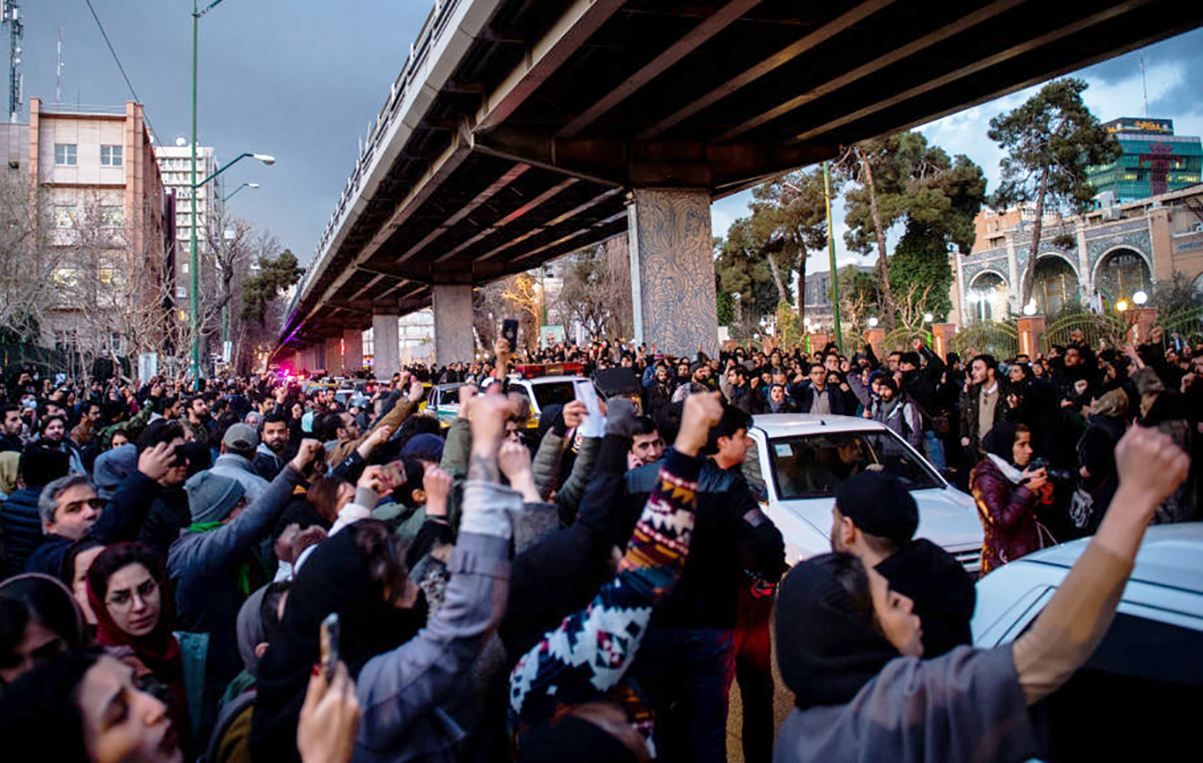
(300, 79)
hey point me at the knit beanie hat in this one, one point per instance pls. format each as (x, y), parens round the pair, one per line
(879, 504)
(112, 467)
(211, 496)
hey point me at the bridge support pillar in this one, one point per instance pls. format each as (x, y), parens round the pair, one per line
(386, 346)
(452, 305)
(334, 356)
(672, 270)
(352, 350)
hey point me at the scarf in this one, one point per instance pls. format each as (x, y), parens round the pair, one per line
(1008, 470)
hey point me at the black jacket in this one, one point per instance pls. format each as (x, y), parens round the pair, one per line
(804, 395)
(732, 542)
(562, 572)
(943, 593)
(21, 528)
(169, 514)
(11, 442)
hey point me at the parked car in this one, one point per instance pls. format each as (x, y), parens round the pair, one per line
(798, 459)
(1138, 697)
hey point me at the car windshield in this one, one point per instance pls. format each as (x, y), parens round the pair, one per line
(554, 393)
(812, 466)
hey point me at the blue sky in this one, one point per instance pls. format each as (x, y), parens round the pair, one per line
(300, 79)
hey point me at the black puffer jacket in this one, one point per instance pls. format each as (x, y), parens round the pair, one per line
(21, 526)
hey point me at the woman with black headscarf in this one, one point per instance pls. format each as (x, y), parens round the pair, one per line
(849, 647)
(357, 573)
(1007, 491)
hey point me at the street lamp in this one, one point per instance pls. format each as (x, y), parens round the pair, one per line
(928, 317)
(1030, 308)
(1140, 298)
(194, 301)
(873, 322)
(252, 186)
(835, 273)
(1122, 306)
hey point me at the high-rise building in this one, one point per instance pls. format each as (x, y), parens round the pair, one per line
(98, 194)
(175, 165)
(1154, 161)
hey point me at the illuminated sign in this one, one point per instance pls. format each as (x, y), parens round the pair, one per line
(1146, 125)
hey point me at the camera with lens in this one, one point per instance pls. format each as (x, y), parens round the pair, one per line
(1059, 475)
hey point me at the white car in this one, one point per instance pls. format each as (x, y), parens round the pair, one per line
(1139, 695)
(800, 458)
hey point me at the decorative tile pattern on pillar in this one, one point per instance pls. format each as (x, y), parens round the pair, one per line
(352, 350)
(672, 271)
(386, 346)
(452, 305)
(334, 356)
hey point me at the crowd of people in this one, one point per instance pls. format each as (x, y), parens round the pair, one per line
(170, 551)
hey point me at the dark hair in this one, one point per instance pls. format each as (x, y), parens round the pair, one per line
(888, 381)
(644, 426)
(45, 422)
(159, 431)
(384, 553)
(327, 426)
(39, 465)
(121, 555)
(41, 599)
(989, 360)
(323, 495)
(269, 608)
(40, 714)
(5, 408)
(732, 420)
(277, 416)
(849, 571)
(67, 573)
(910, 357)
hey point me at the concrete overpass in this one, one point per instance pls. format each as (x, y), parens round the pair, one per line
(520, 130)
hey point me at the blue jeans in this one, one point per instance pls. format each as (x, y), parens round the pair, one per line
(685, 673)
(935, 449)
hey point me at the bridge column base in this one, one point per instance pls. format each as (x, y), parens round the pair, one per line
(386, 346)
(352, 350)
(672, 270)
(452, 305)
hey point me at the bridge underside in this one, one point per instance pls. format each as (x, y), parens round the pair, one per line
(532, 145)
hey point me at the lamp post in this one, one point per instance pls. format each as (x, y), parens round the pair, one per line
(835, 279)
(267, 159)
(194, 268)
(252, 186)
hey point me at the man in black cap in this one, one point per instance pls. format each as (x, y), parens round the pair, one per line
(875, 518)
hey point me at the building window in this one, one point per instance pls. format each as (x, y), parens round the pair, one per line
(65, 277)
(180, 292)
(112, 216)
(184, 268)
(64, 215)
(110, 156)
(106, 274)
(64, 154)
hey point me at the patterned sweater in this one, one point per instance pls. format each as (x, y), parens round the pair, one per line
(586, 658)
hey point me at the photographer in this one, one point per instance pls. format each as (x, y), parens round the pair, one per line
(1009, 488)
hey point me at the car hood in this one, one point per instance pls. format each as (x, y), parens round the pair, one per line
(947, 517)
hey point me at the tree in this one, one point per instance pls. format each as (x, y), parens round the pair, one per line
(789, 219)
(276, 274)
(743, 272)
(860, 297)
(902, 178)
(27, 262)
(1050, 140)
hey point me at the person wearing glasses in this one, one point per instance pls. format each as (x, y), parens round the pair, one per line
(126, 587)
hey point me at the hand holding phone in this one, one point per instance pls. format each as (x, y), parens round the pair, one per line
(329, 636)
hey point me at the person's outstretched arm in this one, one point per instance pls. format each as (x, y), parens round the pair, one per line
(654, 559)
(1065, 634)
(399, 686)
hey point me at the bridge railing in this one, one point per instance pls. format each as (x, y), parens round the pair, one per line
(419, 51)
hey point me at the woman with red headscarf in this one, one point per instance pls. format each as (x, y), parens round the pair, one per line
(127, 589)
